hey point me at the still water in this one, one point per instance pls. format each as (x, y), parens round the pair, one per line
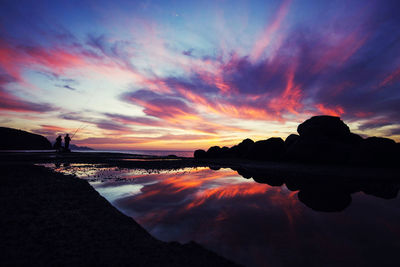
(271, 222)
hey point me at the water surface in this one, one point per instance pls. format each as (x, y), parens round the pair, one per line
(258, 223)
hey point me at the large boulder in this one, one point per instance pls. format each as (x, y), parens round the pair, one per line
(270, 149)
(241, 149)
(214, 152)
(200, 154)
(291, 139)
(324, 126)
(376, 151)
(13, 139)
(323, 139)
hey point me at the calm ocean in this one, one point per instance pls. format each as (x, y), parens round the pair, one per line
(145, 152)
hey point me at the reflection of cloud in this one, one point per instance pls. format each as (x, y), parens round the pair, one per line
(251, 222)
(213, 208)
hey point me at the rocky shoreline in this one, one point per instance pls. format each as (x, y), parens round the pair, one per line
(48, 218)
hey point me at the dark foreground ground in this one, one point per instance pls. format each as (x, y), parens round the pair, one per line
(47, 218)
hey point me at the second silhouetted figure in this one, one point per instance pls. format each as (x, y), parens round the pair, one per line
(67, 139)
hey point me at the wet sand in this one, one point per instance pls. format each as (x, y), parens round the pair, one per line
(47, 218)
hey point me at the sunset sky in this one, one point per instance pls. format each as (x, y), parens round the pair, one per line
(191, 74)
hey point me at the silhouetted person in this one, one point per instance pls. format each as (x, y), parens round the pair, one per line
(57, 144)
(67, 139)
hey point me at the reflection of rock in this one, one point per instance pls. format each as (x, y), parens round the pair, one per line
(382, 190)
(325, 195)
(214, 168)
(273, 181)
(244, 173)
(270, 149)
(328, 200)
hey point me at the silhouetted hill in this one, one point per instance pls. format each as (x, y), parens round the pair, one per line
(75, 147)
(320, 139)
(13, 139)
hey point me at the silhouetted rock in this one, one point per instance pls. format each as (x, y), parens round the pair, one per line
(200, 154)
(291, 139)
(376, 150)
(270, 149)
(243, 147)
(323, 126)
(224, 150)
(214, 152)
(323, 139)
(12, 139)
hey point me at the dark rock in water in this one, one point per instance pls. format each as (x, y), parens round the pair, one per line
(244, 146)
(376, 150)
(354, 139)
(241, 149)
(12, 139)
(291, 139)
(270, 149)
(379, 143)
(319, 150)
(323, 139)
(323, 126)
(224, 150)
(200, 154)
(214, 152)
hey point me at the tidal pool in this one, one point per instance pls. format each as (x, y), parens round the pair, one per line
(258, 221)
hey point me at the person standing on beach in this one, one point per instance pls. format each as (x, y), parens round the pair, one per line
(67, 139)
(57, 144)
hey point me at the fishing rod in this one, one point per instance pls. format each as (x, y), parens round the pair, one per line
(79, 128)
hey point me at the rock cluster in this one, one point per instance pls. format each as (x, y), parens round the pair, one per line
(320, 139)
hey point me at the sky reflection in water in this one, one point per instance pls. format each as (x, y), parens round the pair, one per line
(253, 223)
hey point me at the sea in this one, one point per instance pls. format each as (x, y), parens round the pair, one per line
(178, 153)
